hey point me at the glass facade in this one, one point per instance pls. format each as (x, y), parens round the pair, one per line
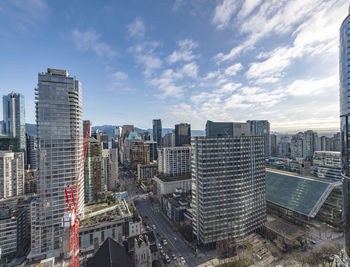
(157, 132)
(344, 71)
(14, 118)
(60, 146)
(182, 134)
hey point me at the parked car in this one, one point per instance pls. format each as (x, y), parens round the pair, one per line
(174, 256)
(154, 227)
(182, 260)
(167, 258)
(165, 242)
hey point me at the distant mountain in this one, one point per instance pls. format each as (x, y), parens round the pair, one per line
(31, 129)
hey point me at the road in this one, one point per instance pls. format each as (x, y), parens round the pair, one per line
(150, 214)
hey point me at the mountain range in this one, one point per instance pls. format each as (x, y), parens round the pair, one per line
(30, 129)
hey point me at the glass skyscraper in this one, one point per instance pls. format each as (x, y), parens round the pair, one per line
(344, 71)
(59, 125)
(14, 118)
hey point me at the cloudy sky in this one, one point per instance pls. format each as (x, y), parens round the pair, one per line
(182, 60)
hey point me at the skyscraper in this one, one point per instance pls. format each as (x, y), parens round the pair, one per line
(59, 126)
(228, 187)
(157, 132)
(262, 127)
(14, 118)
(344, 62)
(226, 129)
(182, 134)
(273, 145)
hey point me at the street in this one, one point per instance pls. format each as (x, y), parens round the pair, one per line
(151, 215)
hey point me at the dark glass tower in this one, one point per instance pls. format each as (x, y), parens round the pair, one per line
(182, 134)
(157, 132)
(344, 71)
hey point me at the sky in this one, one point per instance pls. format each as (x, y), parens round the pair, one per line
(181, 60)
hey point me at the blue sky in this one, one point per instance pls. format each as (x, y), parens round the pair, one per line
(181, 61)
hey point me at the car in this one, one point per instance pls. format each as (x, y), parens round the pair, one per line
(313, 242)
(175, 238)
(174, 256)
(162, 251)
(154, 227)
(159, 245)
(182, 260)
(167, 258)
(165, 242)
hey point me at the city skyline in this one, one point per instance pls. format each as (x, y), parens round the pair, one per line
(274, 61)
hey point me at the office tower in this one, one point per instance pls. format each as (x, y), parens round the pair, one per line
(11, 174)
(146, 136)
(95, 188)
(182, 134)
(297, 146)
(14, 118)
(59, 126)
(262, 127)
(226, 129)
(153, 154)
(168, 140)
(174, 161)
(31, 151)
(126, 129)
(157, 132)
(327, 164)
(344, 62)
(110, 159)
(101, 137)
(273, 145)
(228, 187)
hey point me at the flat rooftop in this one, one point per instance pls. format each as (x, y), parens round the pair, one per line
(172, 178)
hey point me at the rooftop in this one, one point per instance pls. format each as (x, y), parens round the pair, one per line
(172, 178)
(297, 193)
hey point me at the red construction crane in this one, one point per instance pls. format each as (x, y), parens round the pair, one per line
(70, 219)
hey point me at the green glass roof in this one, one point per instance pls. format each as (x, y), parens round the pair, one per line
(133, 136)
(297, 193)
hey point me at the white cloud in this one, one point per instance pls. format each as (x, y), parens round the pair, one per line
(223, 13)
(137, 28)
(89, 40)
(312, 87)
(184, 53)
(190, 70)
(232, 70)
(166, 84)
(247, 7)
(119, 75)
(266, 80)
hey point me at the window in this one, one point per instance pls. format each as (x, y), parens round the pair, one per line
(91, 239)
(102, 236)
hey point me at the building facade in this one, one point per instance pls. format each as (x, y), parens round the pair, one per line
(262, 127)
(157, 132)
(327, 164)
(31, 151)
(147, 171)
(111, 168)
(168, 140)
(174, 161)
(182, 134)
(95, 186)
(11, 174)
(14, 118)
(228, 187)
(344, 62)
(59, 126)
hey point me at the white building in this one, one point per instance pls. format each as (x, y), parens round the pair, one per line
(168, 185)
(174, 161)
(11, 174)
(60, 147)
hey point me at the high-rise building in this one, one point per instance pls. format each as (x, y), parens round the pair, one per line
(59, 125)
(95, 188)
(283, 147)
(344, 62)
(168, 140)
(262, 127)
(226, 129)
(228, 187)
(110, 157)
(273, 145)
(153, 154)
(85, 126)
(335, 143)
(174, 161)
(157, 132)
(182, 134)
(297, 146)
(31, 151)
(311, 144)
(11, 174)
(139, 154)
(14, 118)
(325, 143)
